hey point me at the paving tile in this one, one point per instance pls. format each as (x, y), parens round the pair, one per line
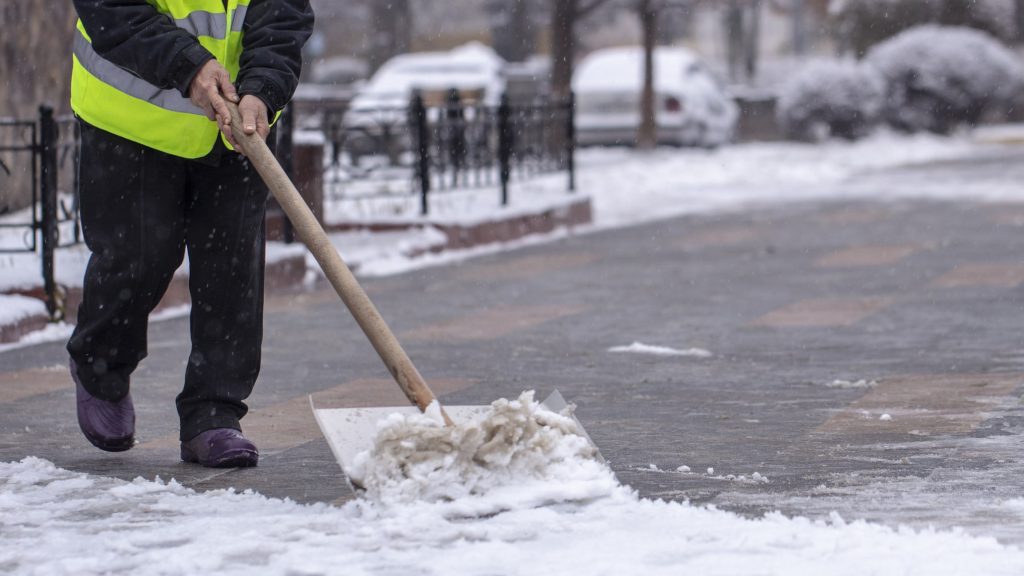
(823, 312)
(853, 214)
(1008, 214)
(16, 386)
(528, 266)
(492, 323)
(925, 405)
(991, 274)
(864, 256)
(717, 236)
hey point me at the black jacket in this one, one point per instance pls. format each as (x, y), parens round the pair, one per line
(135, 36)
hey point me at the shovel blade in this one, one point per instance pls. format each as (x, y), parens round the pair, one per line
(350, 431)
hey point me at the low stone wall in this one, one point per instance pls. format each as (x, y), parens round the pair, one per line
(574, 214)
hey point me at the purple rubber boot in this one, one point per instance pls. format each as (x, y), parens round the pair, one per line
(107, 425)
(220, 448)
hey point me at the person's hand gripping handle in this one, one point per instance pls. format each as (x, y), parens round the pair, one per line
(212, 91)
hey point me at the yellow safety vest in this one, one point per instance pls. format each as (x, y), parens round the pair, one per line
(115, 100)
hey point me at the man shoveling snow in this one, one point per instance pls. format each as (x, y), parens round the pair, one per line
(151, 85)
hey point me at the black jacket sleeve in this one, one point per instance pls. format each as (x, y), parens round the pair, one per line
(135, 36)
(274, 32)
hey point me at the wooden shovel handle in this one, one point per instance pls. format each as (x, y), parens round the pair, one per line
(338, 273)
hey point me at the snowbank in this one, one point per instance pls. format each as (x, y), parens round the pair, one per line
(59, 522)
(14, 308)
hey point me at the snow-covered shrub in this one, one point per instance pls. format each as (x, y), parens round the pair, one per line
(864, 23)
(831, 98)
(938, 78)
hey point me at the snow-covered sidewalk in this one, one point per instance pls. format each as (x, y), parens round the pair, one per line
(53, 521)
(626, 187)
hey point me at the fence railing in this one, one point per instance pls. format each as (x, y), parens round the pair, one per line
(420, 149)
(39, 155)
(451, 145)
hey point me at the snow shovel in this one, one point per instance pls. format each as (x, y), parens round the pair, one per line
(350, 431)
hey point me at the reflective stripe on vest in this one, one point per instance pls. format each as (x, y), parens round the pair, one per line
(201, 23)
(239, 18)
(113, 99)
(109, 73)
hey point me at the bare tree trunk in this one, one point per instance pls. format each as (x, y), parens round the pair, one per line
(35, 68)
(563, 47)
(514, 34)
(798, 12)
(752, 44)
(732, 21)
(647, 135)
(392, 31)
(1019, 19)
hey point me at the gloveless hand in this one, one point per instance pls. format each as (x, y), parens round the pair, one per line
(209, 89)
(255, 119)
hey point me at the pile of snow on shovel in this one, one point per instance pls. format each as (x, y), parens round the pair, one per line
(519, 449)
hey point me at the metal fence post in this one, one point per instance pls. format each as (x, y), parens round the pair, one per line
(48, 199)
(505, 143)
(418, 115)
(455, 130)
(570, 139)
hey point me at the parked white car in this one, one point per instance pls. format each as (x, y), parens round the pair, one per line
(692, 108)
(473, 69)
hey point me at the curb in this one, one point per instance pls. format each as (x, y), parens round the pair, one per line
(463, 235)
(27, 314)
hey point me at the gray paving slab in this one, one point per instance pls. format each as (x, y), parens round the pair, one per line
(788, 299)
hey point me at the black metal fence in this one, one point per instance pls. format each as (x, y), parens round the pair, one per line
(413, 151)
(445, 146)
(39, 159)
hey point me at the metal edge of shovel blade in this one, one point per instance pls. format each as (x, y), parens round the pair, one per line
(556, 403)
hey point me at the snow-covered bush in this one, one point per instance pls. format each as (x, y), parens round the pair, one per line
(831, 98)
(938, 78)
(864, 23)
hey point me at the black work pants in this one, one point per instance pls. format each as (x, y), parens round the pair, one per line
(141, 211)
